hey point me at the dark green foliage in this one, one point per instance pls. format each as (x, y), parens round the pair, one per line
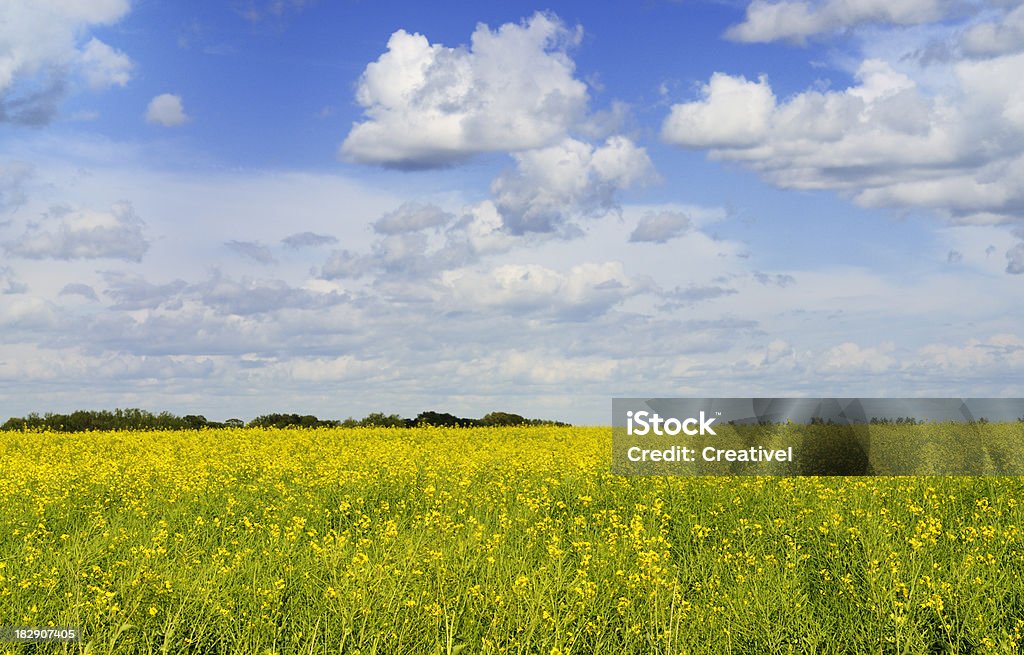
(380, 420)
(440, 420)
(85, 420)
(502, 418)
(289, 421)
(140, 419)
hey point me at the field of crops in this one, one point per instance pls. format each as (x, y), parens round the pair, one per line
(505, 540)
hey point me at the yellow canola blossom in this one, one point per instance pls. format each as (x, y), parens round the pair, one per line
(487, 540)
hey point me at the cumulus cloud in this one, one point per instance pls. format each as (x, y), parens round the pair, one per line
(550, 185)
(9, 282)
(407, 258)
(1015, 259)
(685, 297)
(997, 37)
(131, 291)
(660, 227)
(78, 289)
(105, 66)
(43, 44)
(84, 234)
(256, 252)
(850, 356)
(429, 105)
(307, 240)
(734, 112)
(795, 20)
(585, 291)
(997, 351)
(345, 264)
(411, 217)
(13, 176)
(248, 296)
(884, 141)
(167, 110)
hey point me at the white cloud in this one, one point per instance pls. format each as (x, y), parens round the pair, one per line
(430, 105)
(998, 351)
(248, 296)
(885, 141)
(78, 289)
(41, 42)
(24, 312)
(307, 240)
(131, 291)
(660, 227)
(166, 109)
(850, 356)
(997, 37)
(10, 283)
(586, 290)
(13, 177)
(105, 66)
(795, 20)
(484, 231)
(85, 234)
(252, 250)
(539, 367)
(733, 112)
(550, 185)
(411, 217)
(323, 369)
(1015, 259)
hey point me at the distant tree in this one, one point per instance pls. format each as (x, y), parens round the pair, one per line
(502, 419)
(541, 421)
(289, 421)
(195, 422)
(380, 420)
(441, 420)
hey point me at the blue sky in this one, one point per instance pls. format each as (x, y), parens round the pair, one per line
(343, 207)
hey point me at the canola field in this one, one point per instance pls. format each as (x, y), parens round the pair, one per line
(497, 540)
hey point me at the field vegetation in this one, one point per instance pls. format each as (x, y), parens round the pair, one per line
(487, 540)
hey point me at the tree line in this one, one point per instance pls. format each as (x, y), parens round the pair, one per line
(140, 419)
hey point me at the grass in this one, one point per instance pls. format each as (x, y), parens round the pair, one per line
(510, 540)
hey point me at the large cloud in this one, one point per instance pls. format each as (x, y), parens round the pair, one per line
(411, 217)
(85, 234)
(42, 43)
(430, 105)
(248, 296)
(795, 20)
(585, 291)
(550, 185)
(885, 141)
(996, 37)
